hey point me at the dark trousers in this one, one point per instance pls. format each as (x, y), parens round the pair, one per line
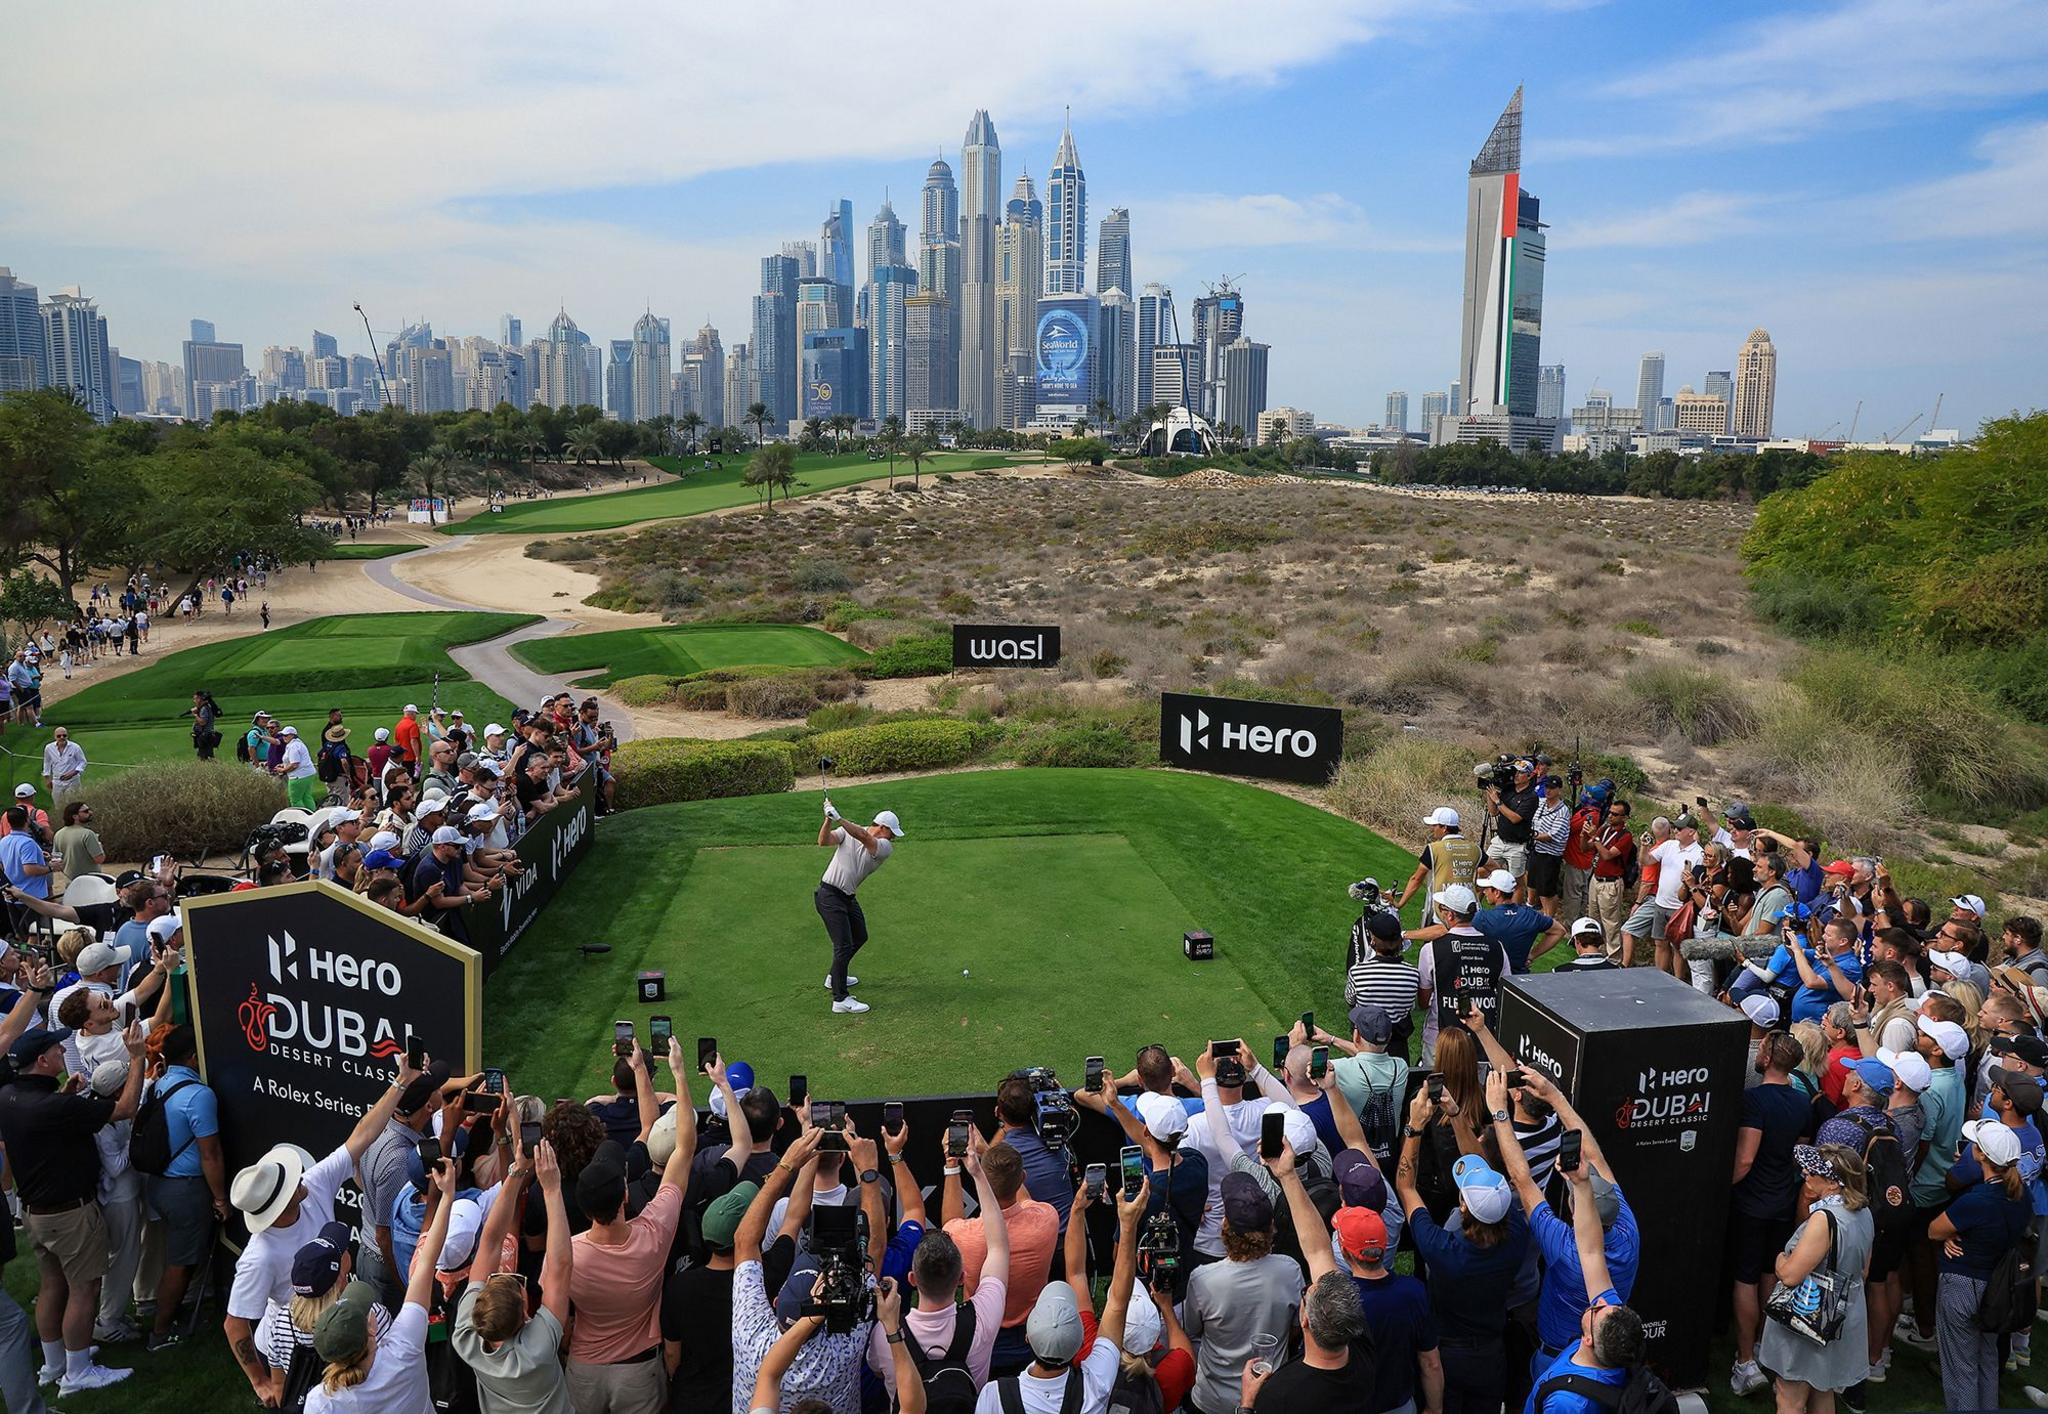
(1475, 1377)
(848, 928)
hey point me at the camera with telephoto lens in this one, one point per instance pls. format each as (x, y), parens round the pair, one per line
(838, 1238)
(1158, 1246)
(1056, 1120)
(1497, 774)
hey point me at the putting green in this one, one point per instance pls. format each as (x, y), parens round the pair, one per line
(1063, 892)
(684, 649)
(369, 665)
(699, 490)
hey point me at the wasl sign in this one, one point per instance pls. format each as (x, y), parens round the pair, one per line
(1006, 645)
(1282, 740)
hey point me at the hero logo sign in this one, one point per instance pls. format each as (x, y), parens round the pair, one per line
(1667, 1098)
(1280, 740)
(283, 1017)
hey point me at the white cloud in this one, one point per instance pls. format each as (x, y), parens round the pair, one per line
(1207, 221)
(1692, 219)
(2007, 196)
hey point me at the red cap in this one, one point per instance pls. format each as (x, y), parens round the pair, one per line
(1362, 1233)
(1840, 866)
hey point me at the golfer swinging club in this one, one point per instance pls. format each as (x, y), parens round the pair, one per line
(856, 853)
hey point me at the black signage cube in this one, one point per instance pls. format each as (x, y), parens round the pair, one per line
(1006, 645)
(1282, 741)
(1198, 946)
(653, 986)
(304, 997)
(1655, 1069)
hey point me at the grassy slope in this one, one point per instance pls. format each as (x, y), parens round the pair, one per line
(357, 550)
(369, 665)
(675, 652)
(699, 491)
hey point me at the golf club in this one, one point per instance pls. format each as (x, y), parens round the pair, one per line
(825, 774)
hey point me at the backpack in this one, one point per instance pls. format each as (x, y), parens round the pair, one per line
(242, 749)
(1890, 1209)
(1135, 1394)
(149, 1142)
(948, 1384)
(1012, 1397)
(1643, 1393)
(300, 1376)
(2008, 1304)
(451, 1383)
(1381, 1119)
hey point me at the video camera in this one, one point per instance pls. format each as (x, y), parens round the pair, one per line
(1158, 1246)
(1497, 774)
(1056, 1120)
(838, 1238)
(278, 834)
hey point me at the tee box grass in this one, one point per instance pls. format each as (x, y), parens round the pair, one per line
(681, 650)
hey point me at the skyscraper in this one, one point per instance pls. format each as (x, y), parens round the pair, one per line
(1024, 204)
(651, 367)
(931, 365)
(509, 332)
(1068, 367)
(1699, 414)
(1550, 391)
(709, 353)
(1241, 386)
(1066, 221)
(1020, 280)
(1434, 406)
(817, 309)
(1116, 353)
(618, 381)
(774, 344)
(1219, 321)
(210, 364)
(325, 345)
(885, 240)
(560, 366)
(1500, 338)
(938, 274)
(981, 212)
(805, 254)
(1397, 412)
(1113, 252)
(23, 366)
(938, 205)
(202, 331)
(741, 389)
(75, 350)
(835, 256)
(1721, 384)
(1650, 389)
(1155, 326)
(889, 286)
(835, 373)
(1756, 385)
(1177, 375)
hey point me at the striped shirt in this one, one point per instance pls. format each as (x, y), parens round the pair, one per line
(1553, 825)
(1388, 983)
(1539, 1146)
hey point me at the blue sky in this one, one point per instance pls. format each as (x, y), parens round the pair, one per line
(1864, 178)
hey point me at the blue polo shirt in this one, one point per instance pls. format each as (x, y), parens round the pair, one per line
(1466, 1282)
(1402, 1326)
(18, 848)
(1805, 883)
(192, 1114)
(1563, 1297)
(1516, 927)
(1811, 1003)
(1564, 1401)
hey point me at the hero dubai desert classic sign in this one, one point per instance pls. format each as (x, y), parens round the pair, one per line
(303, 998)
(1278, 740)
(1006, 646)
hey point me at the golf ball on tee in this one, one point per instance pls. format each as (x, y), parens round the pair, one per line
(963, 972)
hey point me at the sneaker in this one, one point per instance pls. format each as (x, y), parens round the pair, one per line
(1747, 1377)
(850, 1004)
(165, 1341)
(1882, 1368)
(851, 980)
(2035, 1396)
(1906, 1334)
(116, 1334)
(49, 1374)
(92, 1377)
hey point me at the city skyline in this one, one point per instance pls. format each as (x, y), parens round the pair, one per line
(1940, 126)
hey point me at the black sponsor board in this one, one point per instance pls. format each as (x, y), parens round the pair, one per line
(303, 999)
(1655, 1070)
(1006, 645)
(1283, 741)
(549, 849)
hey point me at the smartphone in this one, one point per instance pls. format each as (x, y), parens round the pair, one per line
(494, 1081)
(480, 1102)
(1272, 1133)
(416, 1053)
(956, 1138)
(430, 1153)
(1516, 1080)
(1569, 1149)
(821, 1114)
(1131, 1159)
(799, 1090)
(1318, 1062)
(127, 1015)
(707, 1051)
(660, 1031)
(892, 1117)
(622, 1038)
(833, 1141)
(838, 1119)
(1436, 1089)
(1280, 1048)
(156, 863)
(1220, 1049)
(1308, 1023)
(1092, 1078)
(1700, 801)
(1095, 1180)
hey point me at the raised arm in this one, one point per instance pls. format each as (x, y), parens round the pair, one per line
(1592, 1241)
(1129, 1212)
(861, 1155)
(378, 1115)
(742, 1145)
(419, 1287)
(995, 1228)
(1595, 1161)
(781, 1355)
(677, 1172)
(1074, 1251)
(647, 1106)
(746, 1242)
(490, 1245)
(1310, 1232)
(1511, 1156)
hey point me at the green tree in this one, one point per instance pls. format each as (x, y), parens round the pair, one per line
(917, 449)
(196, 509)
(892, 443)
(31, 600)
(691, 424)
(772, 467)
(584, 444)
(757, 413)
(64, 492)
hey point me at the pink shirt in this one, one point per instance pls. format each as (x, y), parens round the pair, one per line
(1034, 1232)
(617, 1290)
(934, 1330)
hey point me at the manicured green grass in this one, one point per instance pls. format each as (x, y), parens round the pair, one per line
(685, 649)
(369, 665)
(1063, 892)
(355, 550)
(698, 491)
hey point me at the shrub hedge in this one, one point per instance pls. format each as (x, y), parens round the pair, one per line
(920, 745)
(795, 694)
(186, 808)
(913, 656)
(646, 690)
(665, 770)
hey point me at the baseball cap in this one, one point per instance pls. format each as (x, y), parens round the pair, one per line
(1385, 926)
(1456, 897)
(1840, 867)
(344, 1328)
(1761, 1010)
(447, 834)
(24, 791)
(259, 717)
(1950, 1037)
(1499, 879)
(1589, 928)
(1362, 1233)
(1442, 815)
(1874, 1073)
(287, 730)
(2028, 1050)
(381, 859)
(31, 1044)
(1372, 1023)
(2023, 1090)
(1053, 1329)
(1485, 1192)
(1165, 1117)
(2000, 1144)
(722, 1219)
(1969, 901)
(384, 839)
(98, 957)
(494, 729)
(423, 1087)
(318, 1263)
(1245, 1204)
(481, 814)
(1299, 1130)
(1685, 822)
(412, 707)
(1606, 1199)
(1910, 1067)
(1953, 963)
(1359, 1184)
(109, 1076)
(381, 734)
(1142, 1328)
(466, 761)
(465, 1224)
(888, 817)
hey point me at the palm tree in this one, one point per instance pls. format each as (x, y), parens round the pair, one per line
(892, 443)
(430, 471)
(691, 423)
(757, 413)
(814, 433)
(1080, 427)
(533, 446)
(771, 467)
(1105, 415)
(841, 424)
(583, 443)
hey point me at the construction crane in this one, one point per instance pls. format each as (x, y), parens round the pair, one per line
(1854, 420)
(1829, 428)
(1904, 430)
(1934, 418)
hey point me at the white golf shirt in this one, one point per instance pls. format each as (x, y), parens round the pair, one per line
(851, 862)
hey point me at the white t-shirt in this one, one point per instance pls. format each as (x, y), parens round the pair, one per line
(263, 1273)
(1097, 1373)
(851, 862)
(1673, 859)
(1727, 841)
(397, 1382)
(833, 1197)
(1245, 1119)
(297, 761)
